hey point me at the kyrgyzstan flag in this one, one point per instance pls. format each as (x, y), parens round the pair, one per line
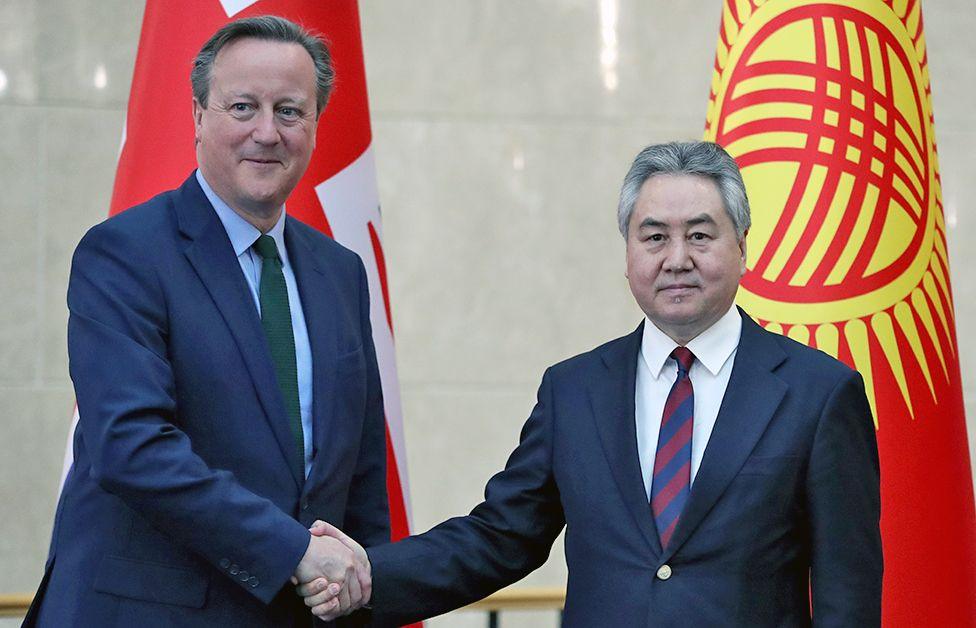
(338, 193)
(827, 108)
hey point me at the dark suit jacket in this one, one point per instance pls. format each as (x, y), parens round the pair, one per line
(181, 508)
(786, 501)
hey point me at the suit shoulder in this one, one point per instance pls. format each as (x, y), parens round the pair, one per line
(584, 362)
(321, 244)
(813, 363)
(139, 226)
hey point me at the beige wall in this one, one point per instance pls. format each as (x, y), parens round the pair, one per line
(499, 151)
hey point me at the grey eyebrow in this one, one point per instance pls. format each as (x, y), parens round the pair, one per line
(700, 219)
(650, 222)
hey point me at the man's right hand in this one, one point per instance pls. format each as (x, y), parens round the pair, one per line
(327, 578)
(334, 576)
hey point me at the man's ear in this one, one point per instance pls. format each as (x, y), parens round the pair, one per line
(197, 119)
(742, 250)
(627, 256)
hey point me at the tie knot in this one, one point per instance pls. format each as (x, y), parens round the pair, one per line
(684, 358)
(266, 247)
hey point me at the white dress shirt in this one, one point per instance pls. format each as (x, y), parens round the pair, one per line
(714, 351)
(242, 236)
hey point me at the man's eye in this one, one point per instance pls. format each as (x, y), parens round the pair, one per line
(289, 112)
(699, 236)
(656, 237)
(240, 107)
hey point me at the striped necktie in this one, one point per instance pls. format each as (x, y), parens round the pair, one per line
(671, 483)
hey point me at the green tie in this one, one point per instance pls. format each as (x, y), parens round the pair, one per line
(276, 320)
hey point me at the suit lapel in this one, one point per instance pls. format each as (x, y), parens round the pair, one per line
(318, 292)
(613, 410)
(751, 399)
(212, 256)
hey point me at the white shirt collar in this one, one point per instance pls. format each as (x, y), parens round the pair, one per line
(712, 347)
(242, 234)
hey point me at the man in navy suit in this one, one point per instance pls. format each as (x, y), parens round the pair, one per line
(707, 472)
(225, 374)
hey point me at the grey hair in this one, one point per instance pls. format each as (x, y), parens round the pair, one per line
(269, 28)
(706, 159)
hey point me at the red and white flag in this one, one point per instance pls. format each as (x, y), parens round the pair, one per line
(338, 193)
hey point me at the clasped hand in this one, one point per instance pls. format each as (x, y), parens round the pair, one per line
(334, 575)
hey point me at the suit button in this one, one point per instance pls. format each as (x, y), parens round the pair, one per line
(664, 572)
(305, 505)
(234, 569)
(253, 582)
(244, 576)
(224, 563)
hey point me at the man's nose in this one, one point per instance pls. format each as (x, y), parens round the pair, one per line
(678, 256)
(265, 128)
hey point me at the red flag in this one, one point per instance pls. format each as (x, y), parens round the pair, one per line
(826, 106)
(338, 193)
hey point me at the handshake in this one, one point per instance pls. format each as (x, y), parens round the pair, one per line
(334, 574)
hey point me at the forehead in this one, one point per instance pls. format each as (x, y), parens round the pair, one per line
(678, 195)
(261, 59)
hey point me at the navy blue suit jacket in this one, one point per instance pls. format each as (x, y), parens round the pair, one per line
(786, 502)
(181, 508)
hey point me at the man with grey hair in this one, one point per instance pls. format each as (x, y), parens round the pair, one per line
(205, 447)
(707, 472)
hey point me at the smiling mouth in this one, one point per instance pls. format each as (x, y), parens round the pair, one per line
(678, 288)
(262, 161)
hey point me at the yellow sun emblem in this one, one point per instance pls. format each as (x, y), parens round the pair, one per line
(826, 107)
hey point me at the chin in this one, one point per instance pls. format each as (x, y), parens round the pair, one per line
(678, 312)
(263, 196)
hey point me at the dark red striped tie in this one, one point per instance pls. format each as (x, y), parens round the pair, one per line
(672, 463)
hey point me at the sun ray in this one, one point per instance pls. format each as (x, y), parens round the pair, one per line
(940, 249)
(827, 339)
(936, 267)
(731, 26)
(940, 270)
(800, 333)
(940, 223)
(906, 321)
(936, 299)
(924, 313)
(743, 10)
(721, 57)
(885, 333)
(932, 286)
(857, 340)
(911, 24)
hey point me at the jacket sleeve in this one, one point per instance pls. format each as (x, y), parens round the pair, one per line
(367, 517)
(466, 558)
(129, 416)
(844, 505)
